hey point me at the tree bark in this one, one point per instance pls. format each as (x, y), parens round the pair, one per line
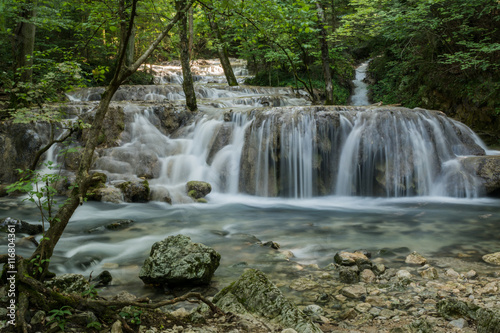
(24, 41)
(187, 84)
(76, 198)
(223, 53)
(325, 57)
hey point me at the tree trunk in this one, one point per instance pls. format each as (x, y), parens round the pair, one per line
(325, 58)
(187, 84)
(191, 32)
(24, 42)
(223, 53)
(129, 58)
(76, 198)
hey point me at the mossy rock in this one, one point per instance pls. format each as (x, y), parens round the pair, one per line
(198, 189)
(135, 191)
(254, 293)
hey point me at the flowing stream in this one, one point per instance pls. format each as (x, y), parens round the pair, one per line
(316, 180)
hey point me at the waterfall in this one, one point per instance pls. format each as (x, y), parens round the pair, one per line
(360, 96)
(269, 142)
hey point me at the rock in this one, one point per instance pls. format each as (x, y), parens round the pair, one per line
(120, 224)
(272, 245)
(302, 284)
(355, 291)
(429, 273)
(349, 259)
(117, 327)
(38, 318)
(21, 226)
(471, 274)
(135, 191)
(108, 194)
(349, 274)
(488, 320)
(459, 323)
(363, 307)
(492, 258)
(198, 189)
(415, 258)
(103, 279)
(178, 261)
(452, 274)
(69, 283)
(253, 293)
(487, 168)
(367, 276)
(378, 269)
(83, 319)
(124, 296)
(97, 182)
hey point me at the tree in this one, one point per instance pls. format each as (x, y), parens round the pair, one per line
(187, 83)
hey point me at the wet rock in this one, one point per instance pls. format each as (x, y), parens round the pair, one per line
(348, 275)
(302, 284)
(452, 273)
(492, 258)
(124, 296)
(178, 261)
(367, 276)
(415, 258)
(108, 194)
(135, 191)
(429, 273)
(97, 181)
(112, 127)
(271, 244)
(349, 259)
(253, 293)
(19, 144)
(355, 291)
(69, 283)
(198, 189)
(103, 279)
(120, 224)
(20, 226)
(459, 323)
(487, 168)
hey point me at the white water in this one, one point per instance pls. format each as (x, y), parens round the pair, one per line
(360, 96)
(321, 162)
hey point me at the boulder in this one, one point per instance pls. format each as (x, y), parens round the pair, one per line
(253, 293)
(21, 226)
(487, 168)
(198, 189)
(176, 260)
(69, 283)
(135, 191)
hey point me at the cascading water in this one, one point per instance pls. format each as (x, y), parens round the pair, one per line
(360, 96)
(314, 179)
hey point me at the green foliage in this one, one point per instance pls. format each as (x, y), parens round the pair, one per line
(91, 292)
(132, 314)
(40, 189)
(94, 324)
(37, 262)
(59, 316)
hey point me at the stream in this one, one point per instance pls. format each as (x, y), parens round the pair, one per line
(312, 197)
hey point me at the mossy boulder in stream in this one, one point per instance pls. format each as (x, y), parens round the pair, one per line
(487, 168)
(177, 261)
(254, 293)
(135, 191)
(197, 189)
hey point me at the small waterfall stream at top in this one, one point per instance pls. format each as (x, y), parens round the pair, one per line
(360, 95)
(314, 179)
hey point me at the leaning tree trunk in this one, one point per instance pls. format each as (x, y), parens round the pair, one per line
(187, 84)
(325, 58)
(223, 53)
(46, 248)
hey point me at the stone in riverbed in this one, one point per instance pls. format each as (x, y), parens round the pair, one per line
(492, 258)
(198, 189)
(135, 191)
(178, 261)
(69, 283)
(21, 226)
(415, 258)
(253, 293)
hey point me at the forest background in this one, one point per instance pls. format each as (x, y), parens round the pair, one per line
(436, 54)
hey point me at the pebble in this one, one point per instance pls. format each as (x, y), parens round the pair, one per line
(415, 258)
